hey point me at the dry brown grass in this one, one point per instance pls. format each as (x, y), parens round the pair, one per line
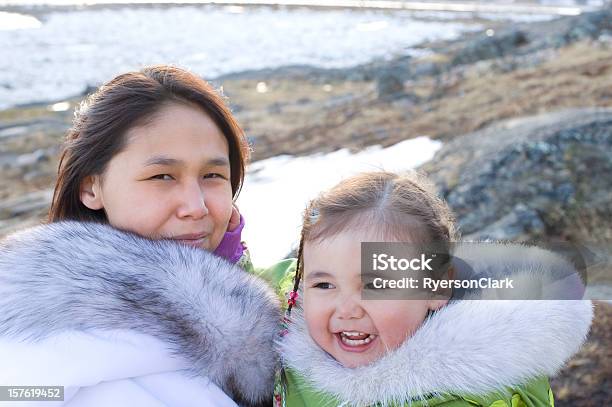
(298, 116)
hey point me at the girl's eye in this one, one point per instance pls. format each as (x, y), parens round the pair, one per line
(369, 286)
(324, 286)
(163, 177)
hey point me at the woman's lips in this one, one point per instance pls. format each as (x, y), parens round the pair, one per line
(195, 240)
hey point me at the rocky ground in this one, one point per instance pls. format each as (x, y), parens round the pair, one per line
(524, 111)
(587, 378)
(524, 179)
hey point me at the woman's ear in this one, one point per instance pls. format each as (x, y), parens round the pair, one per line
(91, 192)
(234, 221)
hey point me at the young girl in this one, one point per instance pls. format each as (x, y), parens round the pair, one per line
(115, 299)
(341, 348)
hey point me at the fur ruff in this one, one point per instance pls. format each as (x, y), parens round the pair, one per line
(81, 276)
(470, 346)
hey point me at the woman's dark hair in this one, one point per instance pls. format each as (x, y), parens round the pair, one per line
(100, 125)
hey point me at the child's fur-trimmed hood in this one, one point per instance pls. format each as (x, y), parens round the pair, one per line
(87, 276)
(470, 346)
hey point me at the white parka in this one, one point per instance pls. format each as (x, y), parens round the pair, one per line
(120, 320)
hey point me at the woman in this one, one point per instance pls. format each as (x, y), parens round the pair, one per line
(114, 299)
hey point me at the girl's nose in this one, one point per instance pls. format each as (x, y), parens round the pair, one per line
(192, 202)
(349, 307)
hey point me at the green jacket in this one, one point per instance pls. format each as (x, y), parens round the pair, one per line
(471, 353)
(279, 275)
(536, 393)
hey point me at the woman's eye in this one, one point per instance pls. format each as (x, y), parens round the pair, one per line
(324, 286)
(163, 177)
(213, 175)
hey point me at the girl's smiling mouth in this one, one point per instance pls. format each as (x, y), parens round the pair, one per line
(353, 341)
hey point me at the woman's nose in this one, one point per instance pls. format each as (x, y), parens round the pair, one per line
(192, 201)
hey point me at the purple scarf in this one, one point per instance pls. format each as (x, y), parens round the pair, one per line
(231, 247)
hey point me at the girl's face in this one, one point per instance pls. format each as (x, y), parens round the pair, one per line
(172, 180)
(355, 332)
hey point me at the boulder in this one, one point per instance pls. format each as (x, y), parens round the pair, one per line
(526, 179)
(494, 46)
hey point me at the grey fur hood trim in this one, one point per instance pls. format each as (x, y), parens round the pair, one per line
(81, 276)
(468, 347)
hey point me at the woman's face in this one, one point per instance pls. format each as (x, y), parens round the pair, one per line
(172, 180)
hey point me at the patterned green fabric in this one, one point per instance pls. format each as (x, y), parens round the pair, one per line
(536, 393)
(244, 262)
(279, 276)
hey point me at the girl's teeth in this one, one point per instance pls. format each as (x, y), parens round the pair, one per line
(356, 342)
(353, 333)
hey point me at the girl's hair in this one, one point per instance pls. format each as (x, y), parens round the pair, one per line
(100, 125)
(402, 207)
